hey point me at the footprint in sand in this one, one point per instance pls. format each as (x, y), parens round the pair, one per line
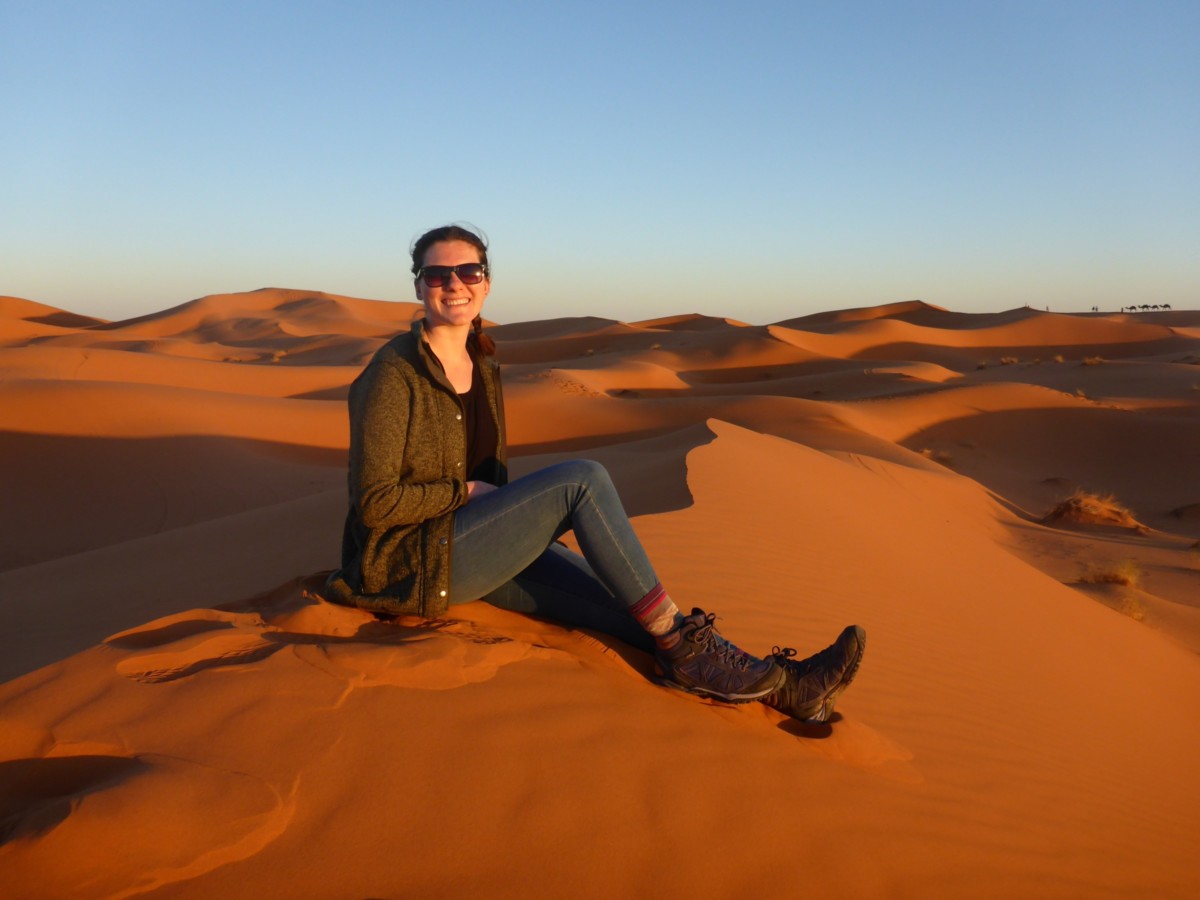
(192, 655)
(350, 645)
(181, 625)
(433, 662)
(190, 642)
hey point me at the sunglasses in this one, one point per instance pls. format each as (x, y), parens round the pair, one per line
(439, 276)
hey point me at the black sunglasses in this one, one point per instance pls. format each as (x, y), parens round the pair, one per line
(439, 276)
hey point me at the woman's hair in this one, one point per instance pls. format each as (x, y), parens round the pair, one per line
(483, 342)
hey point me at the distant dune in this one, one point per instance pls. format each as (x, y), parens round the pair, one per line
(180, 718)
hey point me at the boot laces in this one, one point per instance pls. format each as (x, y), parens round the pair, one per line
(784, 656)
(711, 641)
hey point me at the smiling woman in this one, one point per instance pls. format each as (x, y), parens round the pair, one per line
(433, 520)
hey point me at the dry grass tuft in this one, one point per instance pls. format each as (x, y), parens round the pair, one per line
(1058, 357)
(1093, 360)
(1117, 581)
(1009, 360)
(1084, 508)
(1122, 571)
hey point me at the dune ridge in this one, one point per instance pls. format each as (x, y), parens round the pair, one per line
(182, 716)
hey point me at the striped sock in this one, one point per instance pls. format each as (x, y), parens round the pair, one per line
(658, 614)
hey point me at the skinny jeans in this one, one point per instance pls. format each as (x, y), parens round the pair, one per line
(504, 551)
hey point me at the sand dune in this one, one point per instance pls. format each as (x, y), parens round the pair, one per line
(25, 320)
(181, 717)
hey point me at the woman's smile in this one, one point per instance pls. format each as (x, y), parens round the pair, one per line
(453, 302)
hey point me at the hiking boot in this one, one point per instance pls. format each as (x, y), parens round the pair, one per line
(705, 663)
(813, 685)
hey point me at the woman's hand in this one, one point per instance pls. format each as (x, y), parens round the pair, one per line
(478, 489)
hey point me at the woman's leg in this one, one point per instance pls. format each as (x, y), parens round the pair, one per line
(498, 535)
(561, 586)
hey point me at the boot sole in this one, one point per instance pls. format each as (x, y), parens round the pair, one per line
(725, 698)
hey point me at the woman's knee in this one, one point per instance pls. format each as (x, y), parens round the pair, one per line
(584, 471)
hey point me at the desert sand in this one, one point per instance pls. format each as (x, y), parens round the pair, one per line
(181, 717)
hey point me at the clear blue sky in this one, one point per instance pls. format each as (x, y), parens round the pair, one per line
(627, 159)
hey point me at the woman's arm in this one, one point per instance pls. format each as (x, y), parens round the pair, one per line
(395, 461)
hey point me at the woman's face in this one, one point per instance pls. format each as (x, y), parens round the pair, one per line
(454, 303)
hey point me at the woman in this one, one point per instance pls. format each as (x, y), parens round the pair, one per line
(433, 520)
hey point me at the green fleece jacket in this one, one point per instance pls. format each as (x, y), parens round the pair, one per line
(408, 449)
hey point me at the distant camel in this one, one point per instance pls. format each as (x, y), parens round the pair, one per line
(1166, 306)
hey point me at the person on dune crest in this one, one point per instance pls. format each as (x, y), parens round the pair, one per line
(434, 521)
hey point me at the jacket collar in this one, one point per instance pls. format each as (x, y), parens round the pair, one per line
(428, 358)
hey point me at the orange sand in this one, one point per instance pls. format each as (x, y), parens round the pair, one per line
(178, 719)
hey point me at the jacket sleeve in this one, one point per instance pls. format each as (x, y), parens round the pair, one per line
(384, 468)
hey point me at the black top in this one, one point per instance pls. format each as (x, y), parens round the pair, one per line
(482, 435)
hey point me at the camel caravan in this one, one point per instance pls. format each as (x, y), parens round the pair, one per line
(1145, 307)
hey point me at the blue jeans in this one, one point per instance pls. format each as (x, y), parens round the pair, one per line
(505, 551)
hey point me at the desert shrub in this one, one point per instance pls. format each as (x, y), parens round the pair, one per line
(1058, 357)
(1009, 360)
(1085, 508)
(983, 364)
(1093, 360)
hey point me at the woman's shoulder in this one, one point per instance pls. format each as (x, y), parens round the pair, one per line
(399, 358)
(403, 348)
